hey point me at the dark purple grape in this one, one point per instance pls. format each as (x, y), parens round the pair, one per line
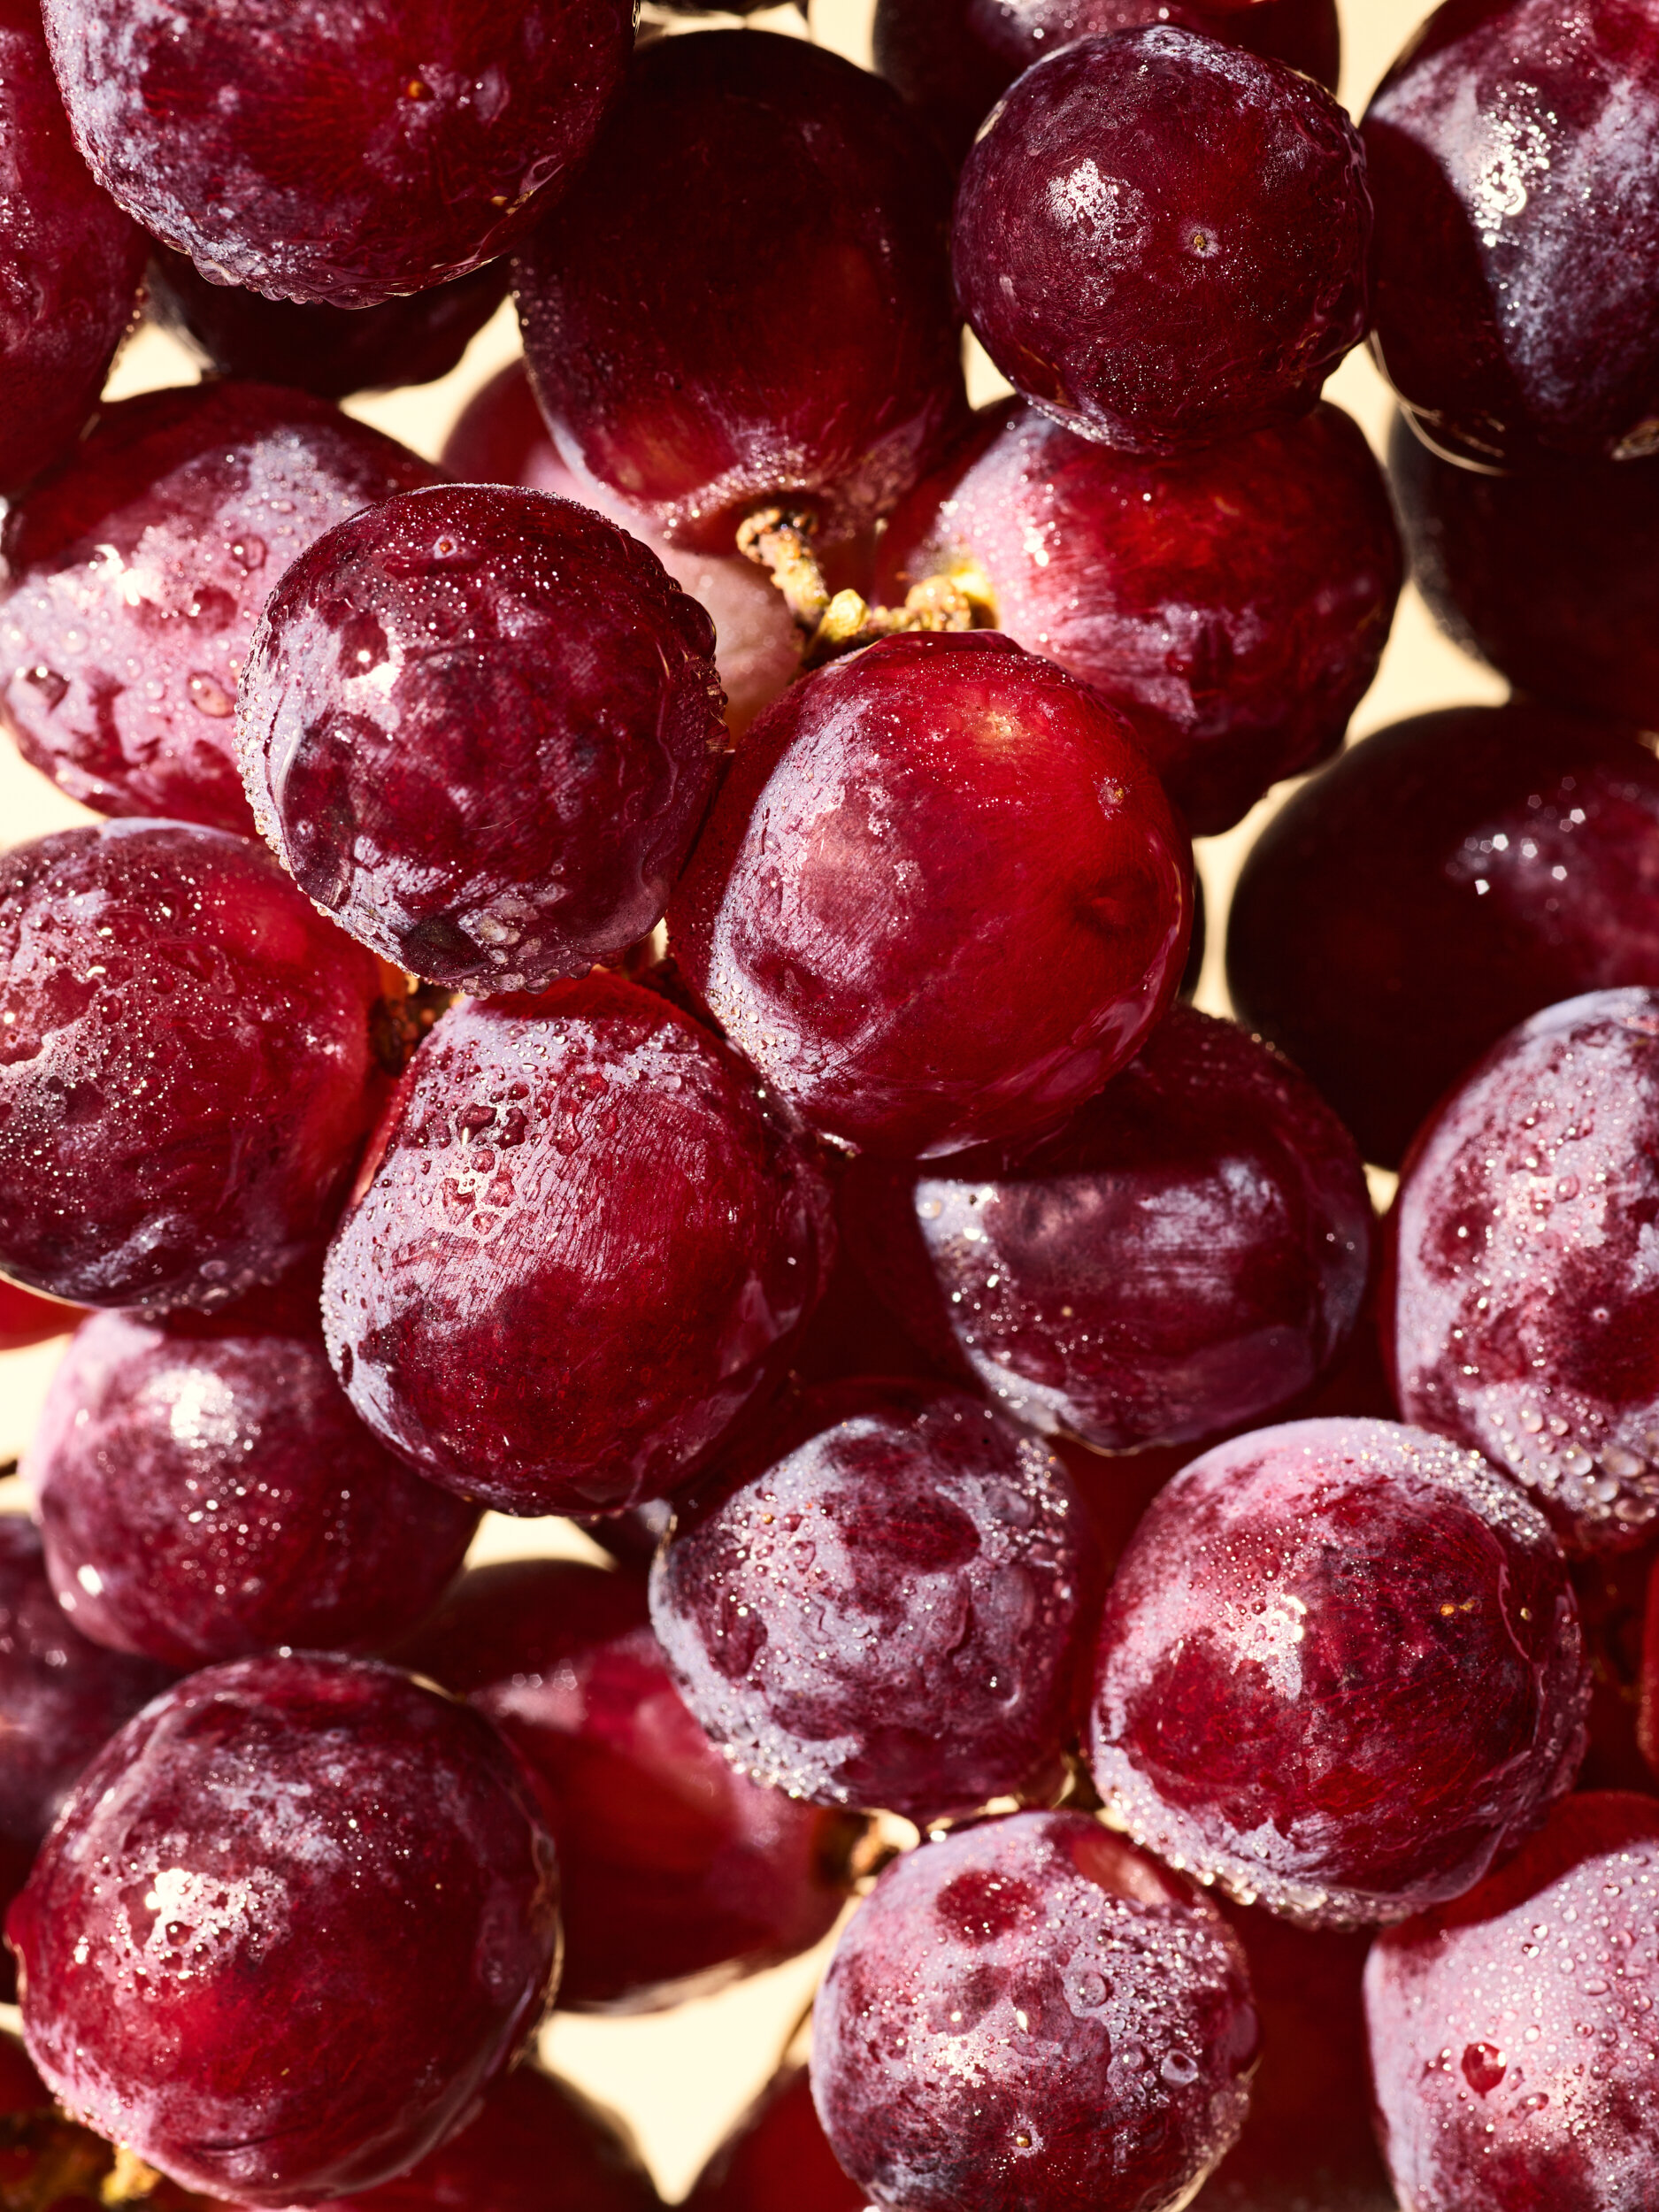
(1511, 152)
(1187, 1254)
(1340, 1669)
(1522, 1324)
(332, 352)
(351, 153)
(187, 1065)
(135, 575)
(1511, 2033)
(478, 726)
(884, 1600)
(1436, 884)
(207, 1491)
(61, 1699)
(952, 60)
(1030, 2016)
(294, 1920)
(1550, 574)
(70, 262)
(678, 1875)
(941, 897)
(583, 1242)
(1234, 603)
(1161, 240)
(745, 299)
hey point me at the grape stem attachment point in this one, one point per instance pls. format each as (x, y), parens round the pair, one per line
(780, 540)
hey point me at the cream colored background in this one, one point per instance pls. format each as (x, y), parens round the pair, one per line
(681, 2077)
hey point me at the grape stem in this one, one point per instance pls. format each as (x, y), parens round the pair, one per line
(780, 540)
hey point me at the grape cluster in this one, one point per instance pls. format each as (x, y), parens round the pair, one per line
(640, 972)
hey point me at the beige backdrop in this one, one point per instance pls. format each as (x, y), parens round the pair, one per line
(681, 2077)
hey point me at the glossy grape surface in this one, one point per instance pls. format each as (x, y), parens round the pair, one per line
(745, 298)
(1547, 573)
(940, 899)
(478, 726)
(1029, 2016)
(1522, 1322)
(61, 1699)
(1511, 2032)
(1185, 1255)
(952, 60)
(188, 1065)
(501, 437)
(1511, 160)
(678, 1875)
(586, 1239)
(332, 352)
(1340, 1669)
(333, 1918)
(70, 262)
(207, 1491)
(1161, 240)
(885, 1601)
(1234, 603)
(137, 572)
(345, 152)
(1436, 884)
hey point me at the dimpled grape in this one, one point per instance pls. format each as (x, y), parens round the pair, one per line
(1436, 884)
(583, 1242)
(776, 2153)
(1511, 2033)
(1549, 573)
(884, 1600)
(187, 1065)
(537, 2145)
(70, 262)
(1029, 2014)
(295, 1918)
(1185, 1254)
(478, 726)
(137, 574)
(501, 437)
(1341, 1669)
(678, 1875)
(1511, 159)
(348, 151)
(1161, 240)
(1234, 603)
(207, 1491)
(745, 296)
(61, 1699)
(333, 351)
(941, 898)
(951, 60)
(1523, 1323)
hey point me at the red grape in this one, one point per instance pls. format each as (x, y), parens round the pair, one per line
(745, 297)
(1030, 2016)
(295, 1918)
(1436, 884)
(585, 1243)
(1161, 240)
(884, 1600)
(1234, 603)
(349, 154)
(206, 1493)
(1511, 2032)
(479, 726)
(1341, 1671)
(28, 1319)
(777, 2153)
(1185, 1255)
(1511, 152)
(188, 1070)
(941, 897)
(136, 574)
